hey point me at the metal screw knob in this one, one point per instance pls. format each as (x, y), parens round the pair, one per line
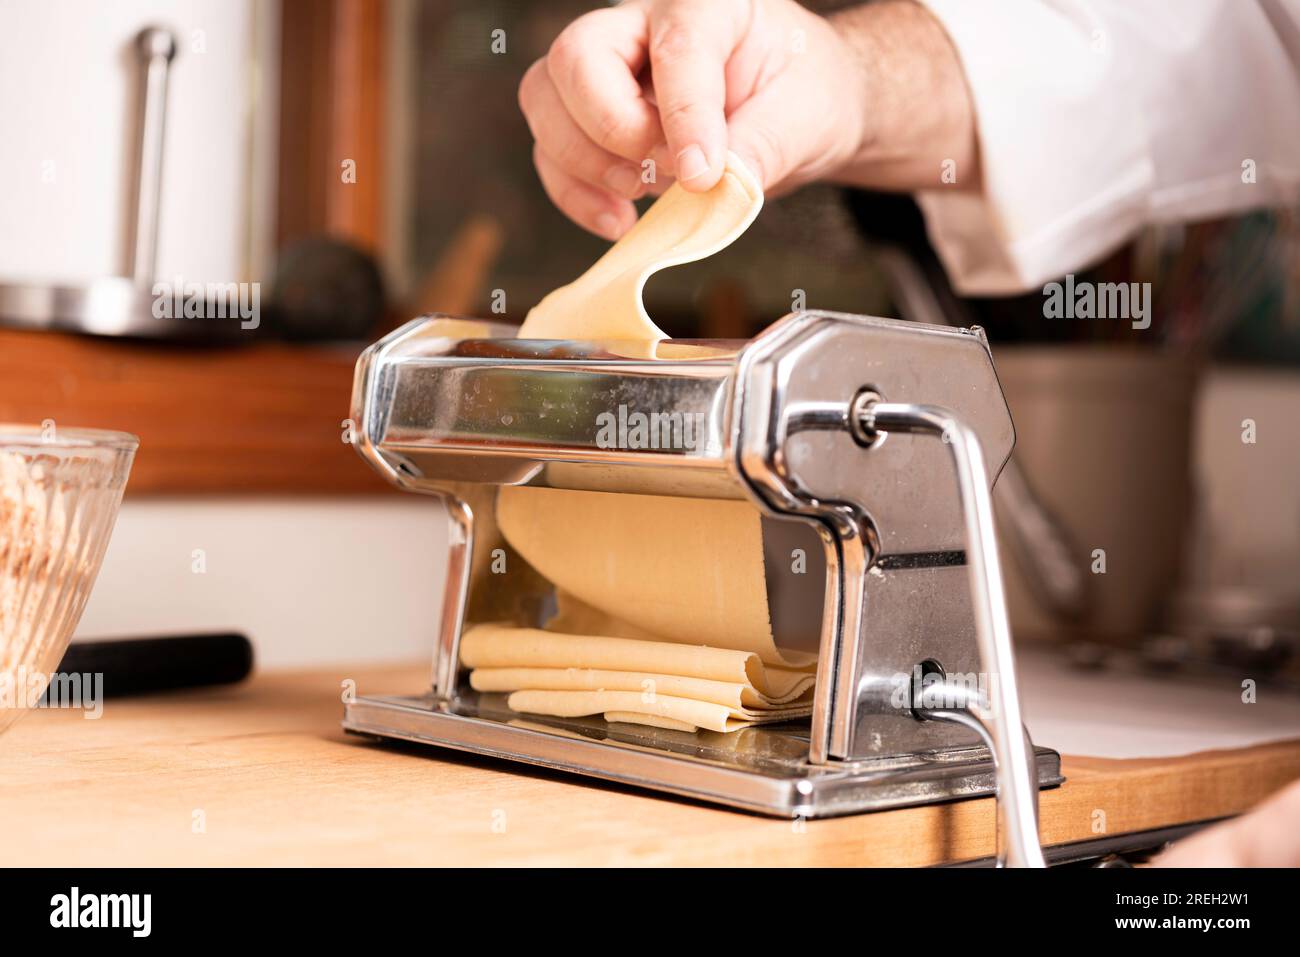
(156, 42)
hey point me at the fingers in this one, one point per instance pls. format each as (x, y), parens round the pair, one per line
(689, 45)
(593, 65)
(595, 124)
(1264, 837)
(596, 210)
(592, 124)
(754, 138)
(560, 138)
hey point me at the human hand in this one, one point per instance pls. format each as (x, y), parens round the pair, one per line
(1266, 836)
(631, 97)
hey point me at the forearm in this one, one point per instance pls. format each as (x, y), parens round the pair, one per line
(920, 129)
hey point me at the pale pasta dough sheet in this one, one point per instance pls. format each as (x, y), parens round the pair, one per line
(681, 227)
(729, 693)
(541, 654)
(682, 569)
(629, 705)
(653, 720)
(669, 592)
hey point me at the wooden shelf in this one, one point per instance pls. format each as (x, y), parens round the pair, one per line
(258, 418)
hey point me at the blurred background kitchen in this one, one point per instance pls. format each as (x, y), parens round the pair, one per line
(364, 161)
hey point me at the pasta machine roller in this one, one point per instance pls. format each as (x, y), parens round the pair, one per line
(877, 439)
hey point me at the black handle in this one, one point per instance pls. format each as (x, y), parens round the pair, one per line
(143, 665)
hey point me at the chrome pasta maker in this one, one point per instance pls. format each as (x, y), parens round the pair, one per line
(877, 439)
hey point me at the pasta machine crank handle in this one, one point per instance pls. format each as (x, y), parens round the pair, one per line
(1013, 756)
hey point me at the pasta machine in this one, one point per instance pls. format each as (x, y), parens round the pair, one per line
(878, 440)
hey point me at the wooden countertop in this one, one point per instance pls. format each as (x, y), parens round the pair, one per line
(261, 774)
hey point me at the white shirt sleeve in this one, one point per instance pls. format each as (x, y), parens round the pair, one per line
(1097, 117)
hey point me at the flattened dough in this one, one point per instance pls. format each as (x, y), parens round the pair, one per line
(629, 705)
(681, 227)
(687, 571)
(681, 569)
(504, 647)
(653, 720)
(730, 693)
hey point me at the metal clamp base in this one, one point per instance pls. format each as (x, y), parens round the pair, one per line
(763, 769)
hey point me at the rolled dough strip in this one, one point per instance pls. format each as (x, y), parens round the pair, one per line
(681, 569)
(729, 693)
(505, 646)
(575, 617)
(681, 227)
(653, 720)
(700, 714)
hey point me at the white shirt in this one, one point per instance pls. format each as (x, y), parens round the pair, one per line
(1097, 117)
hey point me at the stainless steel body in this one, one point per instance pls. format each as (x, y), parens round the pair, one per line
(883, 436)
(764, 769)
(1042, 545)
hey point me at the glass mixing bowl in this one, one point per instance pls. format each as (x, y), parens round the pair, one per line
(59, 494)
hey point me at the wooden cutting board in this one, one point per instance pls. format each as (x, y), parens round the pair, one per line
(261, 774)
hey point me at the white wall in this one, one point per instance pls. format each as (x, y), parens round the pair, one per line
(310, 581)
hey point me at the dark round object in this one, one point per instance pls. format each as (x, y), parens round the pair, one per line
(156, 41)
(326, 289)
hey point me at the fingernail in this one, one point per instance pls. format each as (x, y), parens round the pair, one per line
(691, 163)
(607, 225)
(623, 180)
